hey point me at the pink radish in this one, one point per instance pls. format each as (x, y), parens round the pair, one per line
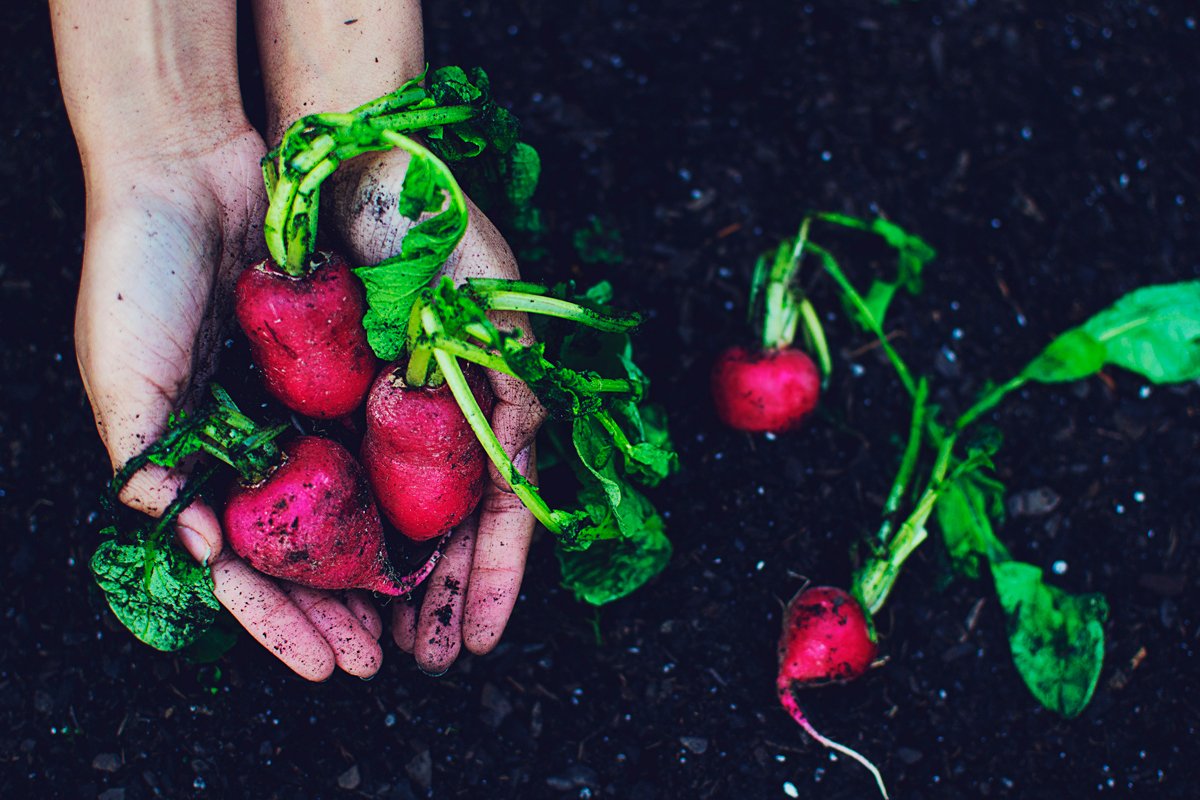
(312, 521)
(826, 638)
(306, 335)
(764, 390)
(422, 458)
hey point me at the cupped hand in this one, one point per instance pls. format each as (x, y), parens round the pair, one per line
(473, 590)
(166, 238)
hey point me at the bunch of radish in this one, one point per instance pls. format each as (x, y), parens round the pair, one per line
(384, 343)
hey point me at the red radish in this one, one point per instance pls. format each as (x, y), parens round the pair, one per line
(765, 390)
(424, 463)
(312, 521)
(826, 638)
(306, 335)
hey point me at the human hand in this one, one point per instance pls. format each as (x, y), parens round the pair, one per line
(166, 239)
(475, 586)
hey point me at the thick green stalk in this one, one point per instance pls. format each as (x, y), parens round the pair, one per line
(522, 488)
(499, 300)
(421, 118)
(780, 312)
(815, 336)
(908, 462)
(873, 582)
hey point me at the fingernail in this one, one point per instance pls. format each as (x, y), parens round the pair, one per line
(195, 543)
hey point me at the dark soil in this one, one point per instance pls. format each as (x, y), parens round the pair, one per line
(1051, 157)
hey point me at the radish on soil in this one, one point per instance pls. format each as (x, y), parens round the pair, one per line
(826, 638)
(773, 388)
(761, 391)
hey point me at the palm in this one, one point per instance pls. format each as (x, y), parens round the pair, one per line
(159, 265)
(151, 300)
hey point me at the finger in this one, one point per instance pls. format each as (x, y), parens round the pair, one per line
(151, 491)
(501, 546)
(516, 418)
(404, 623)
(272, 618)
(368, 616)
(439, 626)
(356, 650)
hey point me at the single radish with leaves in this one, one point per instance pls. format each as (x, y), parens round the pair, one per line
(827, 638)
(773, 387)
(303, 513)
(1057, 638)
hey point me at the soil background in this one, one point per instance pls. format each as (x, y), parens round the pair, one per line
(1048, 150)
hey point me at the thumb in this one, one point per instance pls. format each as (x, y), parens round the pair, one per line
(151, 491)
(363, 196)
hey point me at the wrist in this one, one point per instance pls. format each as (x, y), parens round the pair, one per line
(157, 80)
(326, 56)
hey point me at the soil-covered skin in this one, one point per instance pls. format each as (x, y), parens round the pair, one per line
(1050, 156)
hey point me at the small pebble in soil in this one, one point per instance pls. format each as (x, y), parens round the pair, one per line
(696, 744)
(107, 762)
(1059, 567)
(350, 779)
(1139, 497)
(790, 789)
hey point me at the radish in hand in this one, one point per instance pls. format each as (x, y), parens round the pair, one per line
(306, 334)
(312, 521)
(425, 465)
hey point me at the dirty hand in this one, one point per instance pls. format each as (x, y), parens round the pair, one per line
(174, 208)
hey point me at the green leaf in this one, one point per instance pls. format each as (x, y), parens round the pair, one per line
(1057, 638)
(392, 286)
(1154, 331)
(159, 593)
(521, 170)
(967, 508)
(611, 568)
(1074, 355)
(913, 254)
(878, 298)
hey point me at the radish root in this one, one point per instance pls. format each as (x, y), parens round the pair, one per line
(793, 708)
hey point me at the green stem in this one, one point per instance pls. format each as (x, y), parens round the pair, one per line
(874, 581)
(473, 353)
(856, 300)
(815, 336)
(908, 462)
(562, 309)
(780, 313)
(419, 119)
(522, 488)
(419, 352)
(989, 401)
